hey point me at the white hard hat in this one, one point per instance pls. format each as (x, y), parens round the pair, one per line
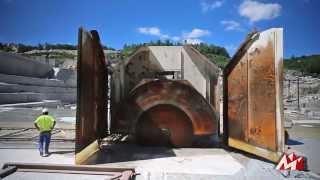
(44, 110)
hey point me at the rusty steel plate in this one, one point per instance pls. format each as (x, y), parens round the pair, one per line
(262, 97)
(168, 109)
(238, 100)
(91, 121)
(254, 114)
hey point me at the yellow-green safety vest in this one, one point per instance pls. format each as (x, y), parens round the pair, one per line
(44, 122)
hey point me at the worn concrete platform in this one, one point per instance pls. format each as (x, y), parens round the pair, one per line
(155, 162)
(61, 153)
(187, 163)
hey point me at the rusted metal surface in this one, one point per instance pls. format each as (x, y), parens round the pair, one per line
(91, 122)
(160, 111)
(165, 124)
(261, 97)
(252, 95)
(57, 169)
(238, 101)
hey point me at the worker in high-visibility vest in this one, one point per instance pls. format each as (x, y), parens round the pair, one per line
(45, 125)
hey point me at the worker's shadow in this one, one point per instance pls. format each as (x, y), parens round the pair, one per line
(61, 152)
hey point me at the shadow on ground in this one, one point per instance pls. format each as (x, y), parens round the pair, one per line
(62, 152)
(292, 142)
(129, 152)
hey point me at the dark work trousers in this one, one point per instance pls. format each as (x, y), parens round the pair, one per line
(44, 141)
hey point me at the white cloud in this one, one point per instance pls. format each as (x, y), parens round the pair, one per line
(196, 33)
(231, 25)
(193, 41)
(155, 31)
(191, 37)
(256, 11)
(209, 5)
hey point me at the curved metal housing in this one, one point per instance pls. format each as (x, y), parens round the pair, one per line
(171, 105)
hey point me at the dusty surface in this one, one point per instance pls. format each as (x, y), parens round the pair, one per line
(18, 137)
(27, 152)
(305, 140)
(188, 163)
(150, 162)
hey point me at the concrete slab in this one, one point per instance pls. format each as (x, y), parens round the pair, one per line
(306, 141)
(186, 163)
(32, 156)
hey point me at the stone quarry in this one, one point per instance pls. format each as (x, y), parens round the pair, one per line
(25, 82)
(301, 98)
(24, 90)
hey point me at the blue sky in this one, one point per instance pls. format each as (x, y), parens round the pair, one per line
(220, 22)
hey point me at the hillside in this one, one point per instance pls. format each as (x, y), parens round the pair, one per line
(60, 52)
(304, 64)
(216, 54)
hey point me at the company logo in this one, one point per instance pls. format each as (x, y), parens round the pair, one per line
(291, 162)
